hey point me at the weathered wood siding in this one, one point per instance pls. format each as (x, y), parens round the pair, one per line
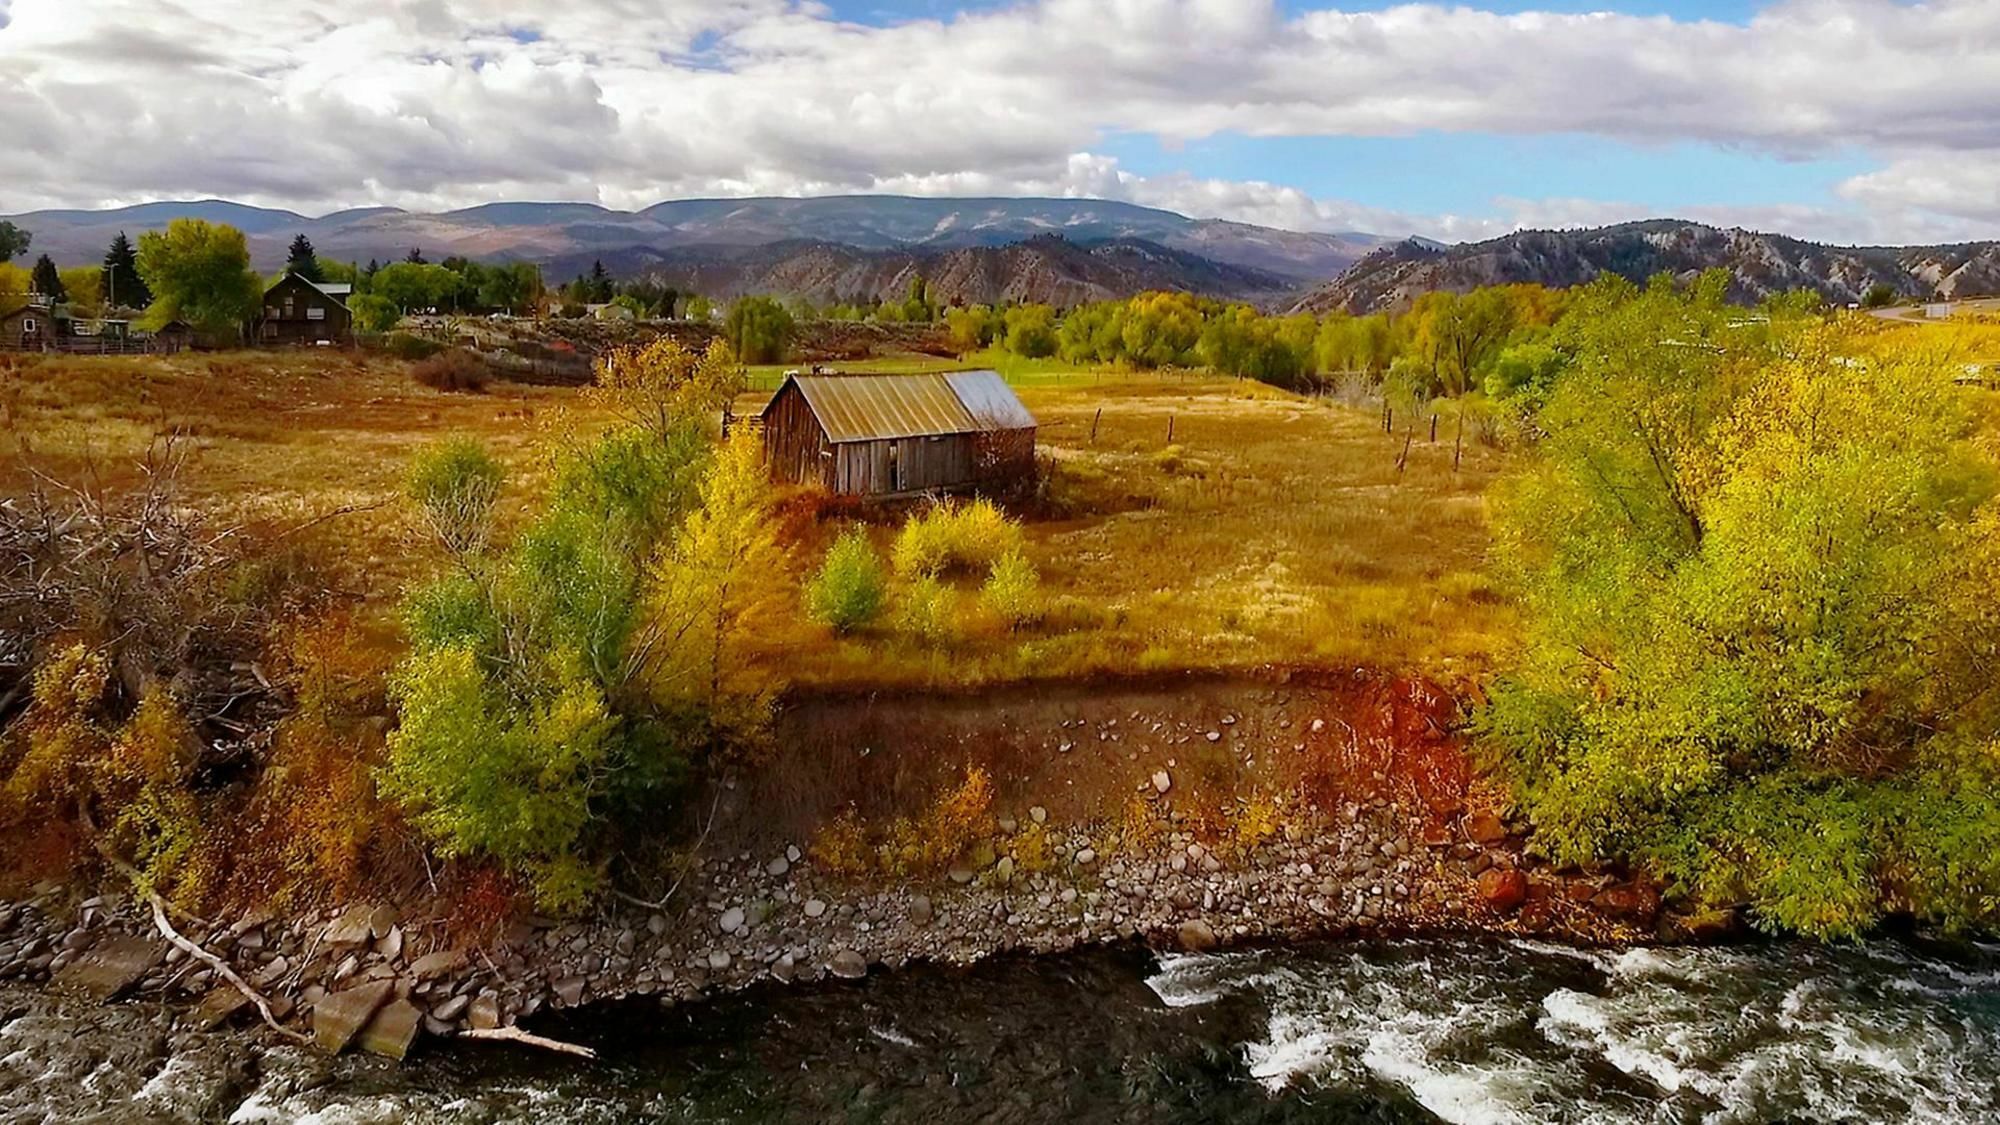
(29, 328)
(911, 464)
(297, 313)
(795, 447)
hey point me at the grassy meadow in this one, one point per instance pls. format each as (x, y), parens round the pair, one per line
(1271, 529)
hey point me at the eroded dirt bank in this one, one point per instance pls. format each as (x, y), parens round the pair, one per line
(1180, 812)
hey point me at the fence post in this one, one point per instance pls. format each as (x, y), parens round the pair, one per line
(1458, 442)
(1403, 458)
(1434, 428)
(1094, 420)
(1170, 429)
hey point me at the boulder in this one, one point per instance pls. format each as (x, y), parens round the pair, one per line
(392, 1030)
(732, 920)
(484, 1013)
(1503, 889)
(350, 929)
(847, 965)
(437, 964)
(222, 1002)
(338, 1018)
(1637, 902)
(569, 990)
(109, 967)
(920, 910)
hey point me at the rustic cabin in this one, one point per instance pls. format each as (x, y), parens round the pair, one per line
(297, 311)
(30, 328)
(885, 435)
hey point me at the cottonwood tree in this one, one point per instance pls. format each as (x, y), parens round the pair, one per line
(199, 272)
(13, 242)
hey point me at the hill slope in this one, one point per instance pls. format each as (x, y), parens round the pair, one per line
(1761, 264)
(1049, 268)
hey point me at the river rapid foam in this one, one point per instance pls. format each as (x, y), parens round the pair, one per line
(1514, 1031)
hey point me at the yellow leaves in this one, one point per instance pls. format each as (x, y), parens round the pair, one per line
(665, 383)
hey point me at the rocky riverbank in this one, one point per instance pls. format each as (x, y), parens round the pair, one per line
(378, 976)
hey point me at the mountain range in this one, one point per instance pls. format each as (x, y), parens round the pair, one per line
(1061, 251)
(1759, 265)
(560, 234)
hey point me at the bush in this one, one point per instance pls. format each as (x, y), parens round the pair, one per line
(455, 485)
(453, 370)
(850, 586)
(1013, 590)
(949, 537)
(406, 345)
(926, 611)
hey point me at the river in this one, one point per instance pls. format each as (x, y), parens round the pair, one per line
(1456, 1030)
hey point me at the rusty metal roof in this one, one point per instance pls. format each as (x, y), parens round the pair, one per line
(875, 407)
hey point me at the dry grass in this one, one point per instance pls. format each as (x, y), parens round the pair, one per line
(282, 439)
(1272, 529)
(1276, 530)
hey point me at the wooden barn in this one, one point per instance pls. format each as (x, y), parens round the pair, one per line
(885, 435)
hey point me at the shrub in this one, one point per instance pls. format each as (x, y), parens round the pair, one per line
(454, 370)
(407, 345)
(925, 612)
(841, 847)
(1013, 590)
(513, 783)
(849, 588)
(957, 819)
(373, 313)
(948, 537)
(455, 485)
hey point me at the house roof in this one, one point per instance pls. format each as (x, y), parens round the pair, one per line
(337, 290)
(875, 407)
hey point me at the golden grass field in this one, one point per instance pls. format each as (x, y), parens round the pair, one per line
(1277, 529)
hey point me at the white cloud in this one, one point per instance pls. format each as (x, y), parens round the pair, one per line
(428, 103)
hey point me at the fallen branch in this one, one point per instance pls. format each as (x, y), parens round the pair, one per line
(528, 1039)
(686, 864)
(221, 968)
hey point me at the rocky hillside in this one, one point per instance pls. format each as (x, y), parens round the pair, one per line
(544, 232)
(1049, 268)
(1761, 264)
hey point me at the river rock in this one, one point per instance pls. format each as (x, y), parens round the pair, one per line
(1503, 889)
(484, 1012)
(1196, 936)
(731, 920)
(392, 1030)
(847, 965)
(569, 990)
(816, 907)
(451, 1008)
(777, 867)
(920, 910)
(1485, 829)
(1162, 781)
(350, 929)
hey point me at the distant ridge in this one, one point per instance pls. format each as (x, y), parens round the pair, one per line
(1759, 265)
(553, 233)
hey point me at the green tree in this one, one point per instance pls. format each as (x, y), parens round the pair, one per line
(199, 272)
(759, 329)
(301, 259)
(1755, 568)
(124, 287)
(1880, 295)
(13, 242)
(411, 286)
(851, 585)
(1030, 331)
(47, 279)
(373, 313)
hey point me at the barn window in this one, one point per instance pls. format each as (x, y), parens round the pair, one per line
(315, 313)
(288, 307)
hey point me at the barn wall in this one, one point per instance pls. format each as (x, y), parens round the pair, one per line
(1003, 456)
(794, 442)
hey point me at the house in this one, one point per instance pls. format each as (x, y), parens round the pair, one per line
(887, 435)
(33, 327)
(297, 311)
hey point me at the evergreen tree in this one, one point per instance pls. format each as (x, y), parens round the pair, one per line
(600, 283)
(415, 257)
(303, 261)
(47, 281)
(124, 288)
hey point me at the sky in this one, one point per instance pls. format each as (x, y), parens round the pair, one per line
(1857, 121)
